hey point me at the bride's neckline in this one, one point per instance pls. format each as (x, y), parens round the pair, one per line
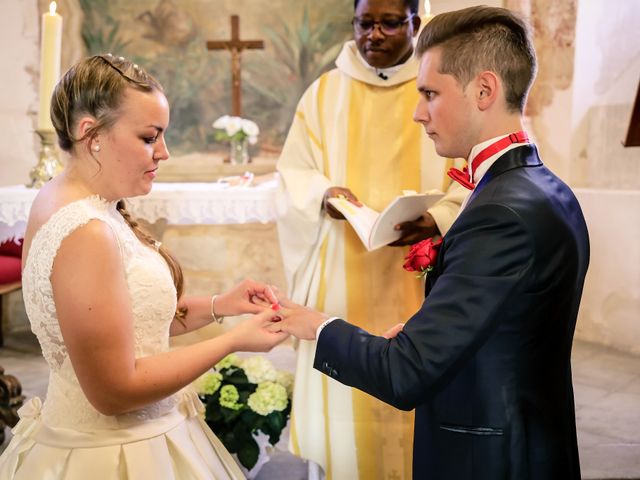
(95, 199)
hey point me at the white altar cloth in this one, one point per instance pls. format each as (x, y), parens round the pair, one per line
(178, 203)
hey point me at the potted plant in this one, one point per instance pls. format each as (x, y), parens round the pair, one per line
(246, 402)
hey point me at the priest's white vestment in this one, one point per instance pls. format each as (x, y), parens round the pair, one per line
(353, 129)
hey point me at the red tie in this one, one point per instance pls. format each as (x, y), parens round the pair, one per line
(462, 176)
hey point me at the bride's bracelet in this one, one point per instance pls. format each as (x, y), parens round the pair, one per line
(217, 319)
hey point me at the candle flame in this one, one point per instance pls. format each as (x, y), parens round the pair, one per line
(52, 8)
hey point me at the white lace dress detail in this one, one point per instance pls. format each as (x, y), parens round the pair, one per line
(153, 298)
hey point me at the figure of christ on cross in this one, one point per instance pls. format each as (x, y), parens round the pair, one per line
(235, 46)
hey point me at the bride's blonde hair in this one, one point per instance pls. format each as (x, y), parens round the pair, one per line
(96, 86)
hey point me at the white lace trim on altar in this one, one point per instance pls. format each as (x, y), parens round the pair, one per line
(178, 203)
(206, 203)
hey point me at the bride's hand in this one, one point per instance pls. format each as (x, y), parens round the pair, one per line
(263, 302)
(248, 296)
(258, 333)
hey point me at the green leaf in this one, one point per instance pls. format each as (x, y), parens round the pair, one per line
(213, 410)
(248, 454)
(276, 421)
(237, 377)
(228, 415)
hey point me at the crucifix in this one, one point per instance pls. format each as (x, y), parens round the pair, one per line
(235, 46)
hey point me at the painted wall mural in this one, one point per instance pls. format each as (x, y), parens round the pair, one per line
(554, 30)
(168, 38)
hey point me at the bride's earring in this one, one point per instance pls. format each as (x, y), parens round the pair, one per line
(96, 147)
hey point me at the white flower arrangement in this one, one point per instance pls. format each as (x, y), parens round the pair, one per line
(258, 370)
(242, 398)
(269, 397)
(236, 128)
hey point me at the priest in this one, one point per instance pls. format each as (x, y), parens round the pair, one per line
(352, 135)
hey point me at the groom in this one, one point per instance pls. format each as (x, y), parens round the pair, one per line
(486, 360)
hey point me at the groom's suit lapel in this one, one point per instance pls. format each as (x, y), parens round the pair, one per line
(524, 156)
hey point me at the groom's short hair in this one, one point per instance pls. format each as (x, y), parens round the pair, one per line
(484, 38)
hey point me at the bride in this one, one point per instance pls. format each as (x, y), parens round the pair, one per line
(103, 299)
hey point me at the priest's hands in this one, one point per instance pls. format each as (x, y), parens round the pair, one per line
(335, 192)
(414, 231)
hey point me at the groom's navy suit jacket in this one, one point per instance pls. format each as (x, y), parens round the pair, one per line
(486, 360)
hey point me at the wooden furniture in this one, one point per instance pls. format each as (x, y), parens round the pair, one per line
(4, 289)
(11, 400)
(11, 397)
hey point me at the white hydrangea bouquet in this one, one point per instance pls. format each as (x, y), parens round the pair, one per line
(236, 128)
(243, 397)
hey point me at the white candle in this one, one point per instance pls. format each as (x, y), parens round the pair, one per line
(50, 49)
(427, 12)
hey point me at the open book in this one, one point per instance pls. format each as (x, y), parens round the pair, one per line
(377, 229)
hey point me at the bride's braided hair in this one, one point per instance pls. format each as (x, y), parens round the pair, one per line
(96, 86)
(174, 266)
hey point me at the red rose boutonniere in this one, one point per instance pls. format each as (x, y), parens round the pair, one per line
(422, 257)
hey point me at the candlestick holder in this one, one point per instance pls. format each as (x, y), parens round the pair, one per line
(49, 164)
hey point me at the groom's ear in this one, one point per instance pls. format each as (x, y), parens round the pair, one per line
(487, 88)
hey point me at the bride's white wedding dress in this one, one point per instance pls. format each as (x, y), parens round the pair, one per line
(66, 437)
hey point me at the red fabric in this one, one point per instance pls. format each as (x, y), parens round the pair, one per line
(462, 176)
(11, 249)
(517, 137)
(10, 269)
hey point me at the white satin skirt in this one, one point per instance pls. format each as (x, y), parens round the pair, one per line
(176, 446)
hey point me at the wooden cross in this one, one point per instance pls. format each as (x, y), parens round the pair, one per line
(235, 46)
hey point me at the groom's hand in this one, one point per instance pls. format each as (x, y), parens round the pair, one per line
(299, 321)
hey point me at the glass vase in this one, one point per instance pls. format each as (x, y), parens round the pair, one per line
(239, 151)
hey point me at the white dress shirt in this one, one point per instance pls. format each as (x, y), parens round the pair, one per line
(484, 166)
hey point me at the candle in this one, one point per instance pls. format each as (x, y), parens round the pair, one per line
(50, 49)
(427, 12)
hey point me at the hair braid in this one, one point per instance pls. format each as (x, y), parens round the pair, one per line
(174, 266)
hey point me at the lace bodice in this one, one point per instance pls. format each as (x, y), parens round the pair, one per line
(153, 297)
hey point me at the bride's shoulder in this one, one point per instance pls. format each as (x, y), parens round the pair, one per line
(57, 206)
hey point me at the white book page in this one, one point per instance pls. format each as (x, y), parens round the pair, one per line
(402, 209)
(361, 218)
(378, 229)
